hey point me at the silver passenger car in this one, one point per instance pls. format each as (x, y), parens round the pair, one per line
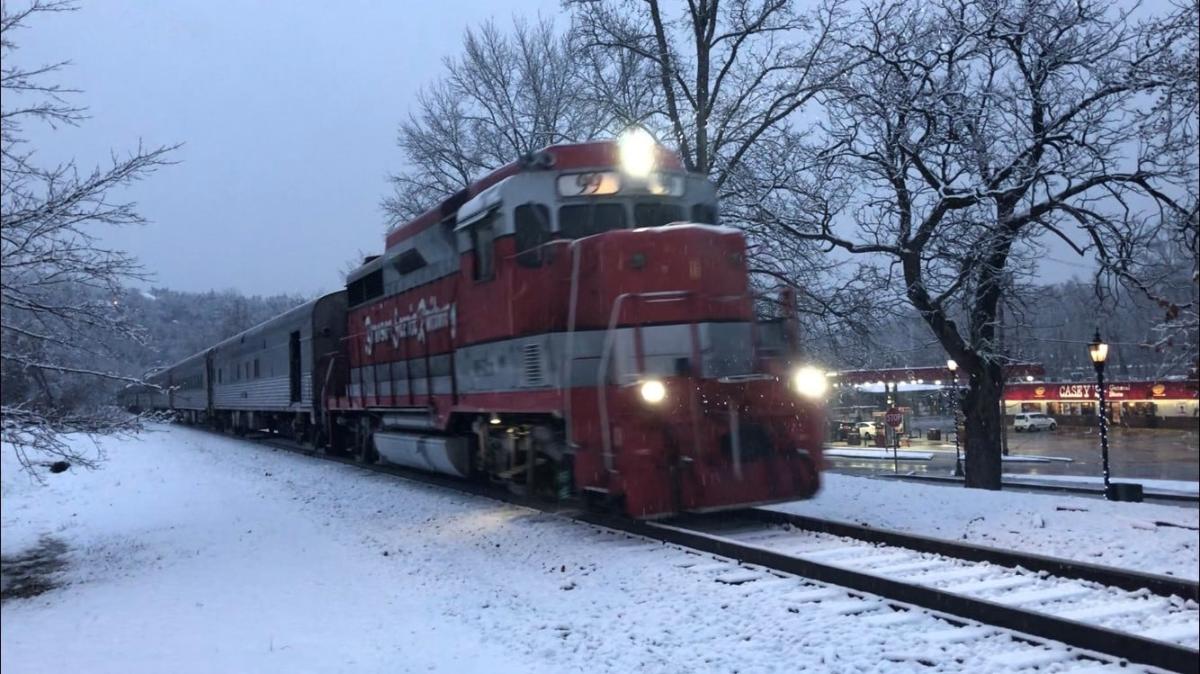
(267, 377)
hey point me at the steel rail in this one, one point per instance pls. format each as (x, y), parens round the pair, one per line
(1114, 643)
(1063, 568)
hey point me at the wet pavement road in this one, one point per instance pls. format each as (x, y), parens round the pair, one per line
(1133, 453)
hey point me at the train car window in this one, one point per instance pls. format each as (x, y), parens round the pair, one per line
(354, 292)
(656, 214)
(294, 366)
(483, 241)
(532, 224)
(373, 285)
(580, 220)
(366, 288)
(704, 214)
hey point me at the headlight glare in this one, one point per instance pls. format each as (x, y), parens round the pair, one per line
(653, 391)
(810, 382)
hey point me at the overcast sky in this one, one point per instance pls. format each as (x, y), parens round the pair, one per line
(288, 113)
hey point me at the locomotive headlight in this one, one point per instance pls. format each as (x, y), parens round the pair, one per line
(653, 391)
(810, 382)
(636, 148)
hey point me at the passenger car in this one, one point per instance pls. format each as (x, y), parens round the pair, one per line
(867, 429)
(1034, 421)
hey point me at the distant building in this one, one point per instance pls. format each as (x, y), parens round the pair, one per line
(1137, 404)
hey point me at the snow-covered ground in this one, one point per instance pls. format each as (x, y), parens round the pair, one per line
(191, 552)
(1145, 537)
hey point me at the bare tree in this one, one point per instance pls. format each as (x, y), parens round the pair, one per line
(1162, 271)
(728, 74)
(721, 82)
(1162, 264)
(505, 95)
(58, 283)
(973, 130)
(727, 83)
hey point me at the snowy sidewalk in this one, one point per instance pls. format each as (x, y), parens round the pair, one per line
(1145, 537)
(190, 552)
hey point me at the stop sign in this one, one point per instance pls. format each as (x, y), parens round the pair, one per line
(893, 418)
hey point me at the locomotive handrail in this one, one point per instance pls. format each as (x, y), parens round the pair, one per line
(570, 347)
(609, 340)
(602, 368)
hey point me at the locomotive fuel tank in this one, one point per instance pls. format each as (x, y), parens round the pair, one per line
(437, 454)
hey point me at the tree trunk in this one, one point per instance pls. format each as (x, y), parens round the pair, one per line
(983, 425)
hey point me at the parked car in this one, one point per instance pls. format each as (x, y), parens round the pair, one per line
(867, 429)
(843, 429)
(1034, 421)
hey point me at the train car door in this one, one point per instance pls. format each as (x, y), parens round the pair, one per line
(208, 384)
(294, 365)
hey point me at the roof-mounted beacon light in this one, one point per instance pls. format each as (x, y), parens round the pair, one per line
(636, 150)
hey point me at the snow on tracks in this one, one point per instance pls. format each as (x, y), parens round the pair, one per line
(1121, 535)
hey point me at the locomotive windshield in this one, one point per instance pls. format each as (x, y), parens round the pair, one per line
(579, 220)
(656, 214)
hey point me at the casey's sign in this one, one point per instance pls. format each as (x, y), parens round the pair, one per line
(1144, 390)
(1076, 391)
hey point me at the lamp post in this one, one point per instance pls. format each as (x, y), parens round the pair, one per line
(953, 367)
(1098, 351)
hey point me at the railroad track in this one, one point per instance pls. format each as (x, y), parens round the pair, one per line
(1134, 624)
(1098, 610)
(1056, 566)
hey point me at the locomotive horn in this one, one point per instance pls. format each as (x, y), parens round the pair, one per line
(536, 160)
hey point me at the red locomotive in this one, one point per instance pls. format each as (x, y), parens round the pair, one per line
(557, 327)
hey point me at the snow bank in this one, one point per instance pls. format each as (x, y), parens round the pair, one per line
(195, 553)
(1145, 537)
(878, 454)
(1184, 487)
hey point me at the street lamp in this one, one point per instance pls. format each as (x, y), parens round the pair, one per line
(1098, 350)
(953, 367)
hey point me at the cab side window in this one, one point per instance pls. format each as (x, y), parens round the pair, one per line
(483, 241)
(532, 224)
